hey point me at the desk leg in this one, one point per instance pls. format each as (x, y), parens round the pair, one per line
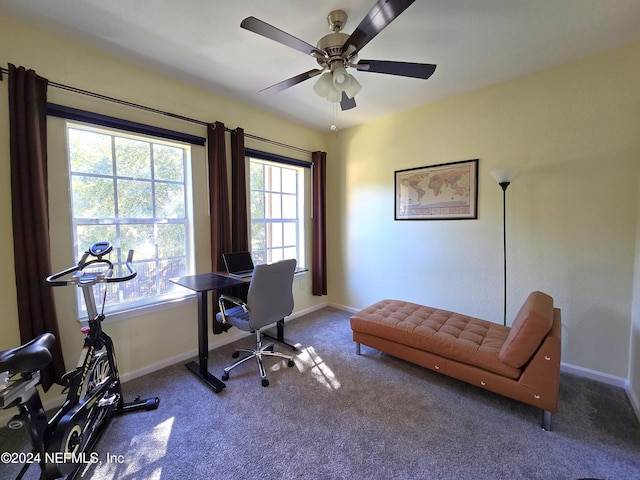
(201, 371)
(279, 336)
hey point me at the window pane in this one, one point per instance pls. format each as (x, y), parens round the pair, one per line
(273, 205)
(289, 206)
(258, 236)
(257, 205)
(168, 163)
(256, 176)
(171, 269)
(135, 199)
(272, 175)
(89, 152)
(170, 200)
(133, 158)
(139, 237)
(92, 197)
(290, 234)
(259, 256)
(289, 181)
(275, 255)
(290, 252)
(171, 240)
(144, 285)
(275, 235)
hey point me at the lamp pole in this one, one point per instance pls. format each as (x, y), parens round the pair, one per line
(504, 186)
(504, 177)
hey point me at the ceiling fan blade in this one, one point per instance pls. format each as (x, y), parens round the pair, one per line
(261, 28)
(290, 82)
(403, 69)
(347, 103)
(380, 15)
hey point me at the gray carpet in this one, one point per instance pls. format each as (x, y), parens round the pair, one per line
(338, 415)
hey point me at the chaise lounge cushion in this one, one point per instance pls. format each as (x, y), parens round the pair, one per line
(529, 328)
(448, 334)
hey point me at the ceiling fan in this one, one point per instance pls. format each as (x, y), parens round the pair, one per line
(338, 51)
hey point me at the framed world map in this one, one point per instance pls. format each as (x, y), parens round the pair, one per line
(448, 191)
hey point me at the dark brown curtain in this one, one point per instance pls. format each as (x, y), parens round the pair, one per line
(239, 214)
(319, 245)
(218, 205)
(30, 210)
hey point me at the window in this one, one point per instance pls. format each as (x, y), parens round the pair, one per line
(133, 191)
(276, 211)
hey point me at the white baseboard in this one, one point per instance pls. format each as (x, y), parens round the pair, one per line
(344, 307)
(593, 375)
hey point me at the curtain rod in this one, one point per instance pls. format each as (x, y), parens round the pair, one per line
(159, 112)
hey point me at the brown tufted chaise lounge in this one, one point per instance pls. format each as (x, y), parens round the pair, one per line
(520, 362)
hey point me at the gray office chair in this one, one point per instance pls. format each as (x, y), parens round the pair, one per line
(269, 300)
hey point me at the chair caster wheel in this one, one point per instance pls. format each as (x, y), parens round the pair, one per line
(265, 382)
(290, 363)
(225, 376)
(235, 354)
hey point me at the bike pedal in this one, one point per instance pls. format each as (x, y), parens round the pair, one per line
(108, 401)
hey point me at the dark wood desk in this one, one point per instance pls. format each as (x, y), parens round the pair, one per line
(202, 284)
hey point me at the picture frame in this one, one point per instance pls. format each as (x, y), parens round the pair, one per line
(448, 191)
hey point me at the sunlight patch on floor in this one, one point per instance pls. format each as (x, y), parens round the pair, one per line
(309, 360)
(148, 448)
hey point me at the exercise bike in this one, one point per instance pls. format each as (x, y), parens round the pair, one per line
(62, 445)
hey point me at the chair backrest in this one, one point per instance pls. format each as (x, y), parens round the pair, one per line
(270, 296)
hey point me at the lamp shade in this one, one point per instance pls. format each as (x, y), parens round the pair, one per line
(504, 175)
(334, 95)
(340, 78)
(352, 87)
(324, 85)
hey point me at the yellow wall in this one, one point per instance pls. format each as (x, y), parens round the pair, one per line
(575, 133)
(634, 370)
(158, 337)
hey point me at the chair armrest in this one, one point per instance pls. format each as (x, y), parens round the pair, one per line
(234, 300)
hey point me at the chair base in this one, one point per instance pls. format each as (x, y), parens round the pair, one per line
(257, 353)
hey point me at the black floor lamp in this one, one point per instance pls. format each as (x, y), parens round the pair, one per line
(504, 177)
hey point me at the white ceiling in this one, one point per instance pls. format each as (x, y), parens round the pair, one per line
(475, 43)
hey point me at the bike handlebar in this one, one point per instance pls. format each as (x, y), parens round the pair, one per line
(89, 278)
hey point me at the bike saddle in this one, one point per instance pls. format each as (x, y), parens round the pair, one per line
(31, 356)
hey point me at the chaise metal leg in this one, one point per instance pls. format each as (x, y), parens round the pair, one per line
(357, 348)
(546, 420)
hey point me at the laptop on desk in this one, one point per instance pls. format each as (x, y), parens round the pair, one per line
(238, 264)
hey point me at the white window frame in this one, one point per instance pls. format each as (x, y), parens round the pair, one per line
(142, 259)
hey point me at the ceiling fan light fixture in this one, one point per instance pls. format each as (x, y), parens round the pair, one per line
(353, 87)
(324, 85)
(334, 95)
(340, 78)
(338, 51)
